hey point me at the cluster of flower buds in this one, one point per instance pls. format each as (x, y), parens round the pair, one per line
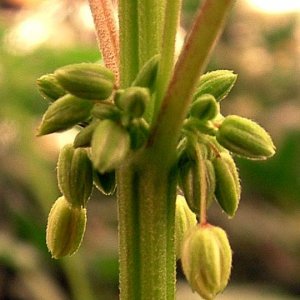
(110, 123)
(207, 173)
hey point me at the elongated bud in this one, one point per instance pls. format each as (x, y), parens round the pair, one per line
(106, 110)
(64, 113)
(147, 74)
(205, 107)
(65, 228)
(110, 145)
(228, 190)
(86, 80)
(246, 138)
(84, 136)
(206, 260)
(133, 101)
(106, 182)
(50, 88)
(217, 83)
(75, 175)
(185, 219)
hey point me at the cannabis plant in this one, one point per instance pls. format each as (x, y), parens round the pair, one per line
(150, 128)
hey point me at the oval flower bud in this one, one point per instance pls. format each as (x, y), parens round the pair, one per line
(75, 175)
(147, 74)
(185, 219)
(86, 80)
(133, 101)
(64, 113)
(110, 145)
(228, 189)
(206, 260)
(217, 83)
(205, 107)
(65, 228)
(50, 88)
(106, 182)
(245, 138)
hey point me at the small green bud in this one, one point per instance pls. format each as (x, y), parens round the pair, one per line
(246, 138)
(50, 88)
(206, 260)
(106, 182)
(75, 175)
(133, 101)
(205, 107)
(217, 83)
(84, 136)
(184, 220)
(64, 113)
(197, 181)
(86, 80)
(147, 74)
(110, 145)
(65, 228)
(228, 189)
(138, 130)
(106, 110)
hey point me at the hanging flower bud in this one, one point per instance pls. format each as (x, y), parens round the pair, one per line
(184, 220)
(228, 190)
(110, 145)
(106, 182)
(86, 80)
(246, 138)
(64, 113)
(65, 228)
(75, 175)
(50, 88)
(147, 74)
(133, 101)
(205, 107)
(84, 136)
(206, 260)
(217, 83)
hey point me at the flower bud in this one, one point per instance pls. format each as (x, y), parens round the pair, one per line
(205, 107)
(217, 83)
(106, 110)
(110, 145)
(65, 228)
(138, 130)
(184, 220)
(50, 88)
(206, 260)
(86, 80)
(228, 190)
(133, 101)
(246, 138)
(147, 74)
(75, 175)
(106, 182)
(84, 136)
(64, 113)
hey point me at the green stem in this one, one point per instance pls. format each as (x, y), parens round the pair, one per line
(197, 49)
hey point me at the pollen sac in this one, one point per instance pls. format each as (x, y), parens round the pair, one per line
(217, 83)
(64, 113)
(75, 175)
(184, 220)
(133, 101)
(110, 145)
(206, 260)
(65, 228)
(86, 80)
(228, 189)
(50, 88)
(245, 138)
(205, 107)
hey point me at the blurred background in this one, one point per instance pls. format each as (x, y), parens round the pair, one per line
(261, 44)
